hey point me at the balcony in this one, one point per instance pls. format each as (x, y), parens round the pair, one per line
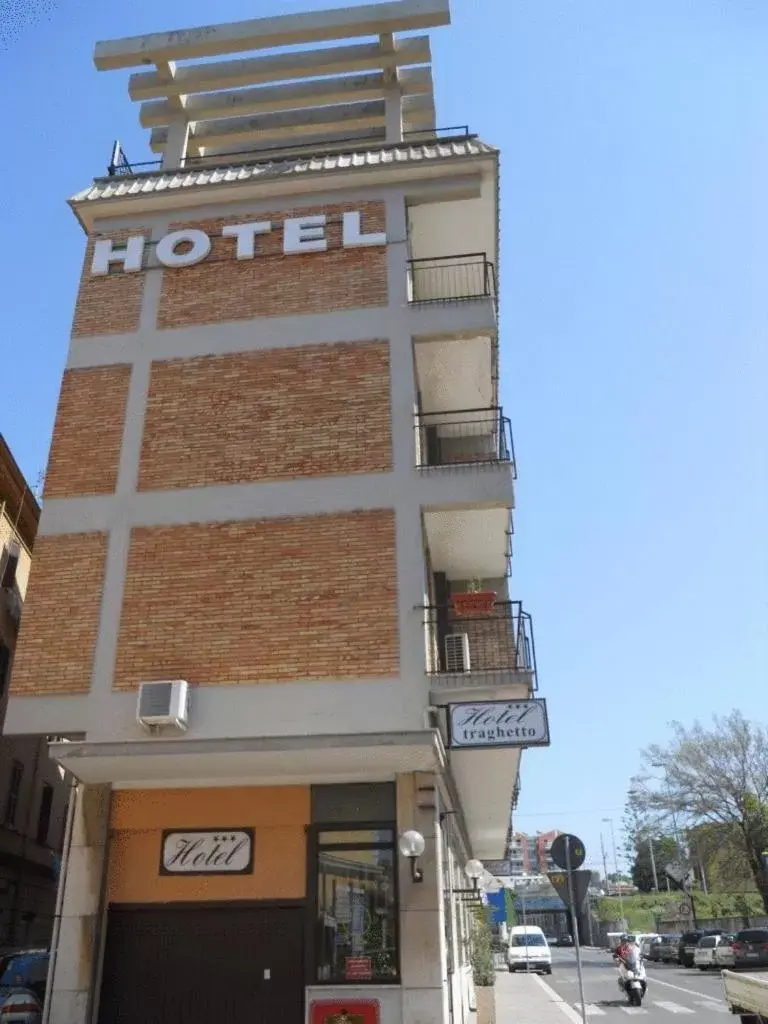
(440, 279)
(464, 437)
(471, 652)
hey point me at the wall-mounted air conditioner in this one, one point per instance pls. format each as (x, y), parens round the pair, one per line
(164, 703)
(457, 652)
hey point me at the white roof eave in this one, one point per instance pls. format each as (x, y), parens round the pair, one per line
(124, 196)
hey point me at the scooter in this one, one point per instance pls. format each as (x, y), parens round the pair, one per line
(632, 980)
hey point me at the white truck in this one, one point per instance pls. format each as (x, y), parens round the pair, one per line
(747, 995)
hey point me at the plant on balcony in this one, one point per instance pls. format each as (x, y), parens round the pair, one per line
(474, 601)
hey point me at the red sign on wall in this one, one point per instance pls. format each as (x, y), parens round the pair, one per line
(358, 1011)
(358, 968)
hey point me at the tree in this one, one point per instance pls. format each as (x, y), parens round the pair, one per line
(642, 829)
(665, 850)
(718, 777)
(719, 853)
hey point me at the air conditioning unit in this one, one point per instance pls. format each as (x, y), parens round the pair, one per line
(164, 703)
(457, 652)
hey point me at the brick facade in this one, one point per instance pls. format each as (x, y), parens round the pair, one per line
(110, 304)
(275, 600)
(88, 432)
(279, 414)
(61, 616)
(222, 288)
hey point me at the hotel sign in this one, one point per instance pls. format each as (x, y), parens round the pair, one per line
(498, 723)
(189, 246)
(221, 851)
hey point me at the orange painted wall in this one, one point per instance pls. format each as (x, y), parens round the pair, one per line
(278, 815)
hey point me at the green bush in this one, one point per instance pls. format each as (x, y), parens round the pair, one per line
(481, 955)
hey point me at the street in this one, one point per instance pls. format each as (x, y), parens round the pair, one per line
(672, 990)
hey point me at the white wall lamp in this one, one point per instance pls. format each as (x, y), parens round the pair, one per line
(412, 845)
(474, 870)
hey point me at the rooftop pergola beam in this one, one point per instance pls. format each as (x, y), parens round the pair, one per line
(240, 132)
(327, 143)
(233, 74)
(326, 91)
(265, 33)
(233, 131)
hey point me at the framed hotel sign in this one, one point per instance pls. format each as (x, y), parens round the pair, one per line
(498, 723)
(212, 851)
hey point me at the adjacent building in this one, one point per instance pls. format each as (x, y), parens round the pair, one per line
(530, 854)
(33, 793)
(270, 616)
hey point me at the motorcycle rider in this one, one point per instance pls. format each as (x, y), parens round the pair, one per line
(629, 961)
(626, 946)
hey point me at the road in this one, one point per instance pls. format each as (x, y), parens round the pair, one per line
(672, 991)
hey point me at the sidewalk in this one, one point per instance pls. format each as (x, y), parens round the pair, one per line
(526, 999)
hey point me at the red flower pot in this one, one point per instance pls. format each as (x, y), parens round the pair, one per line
(479, 602)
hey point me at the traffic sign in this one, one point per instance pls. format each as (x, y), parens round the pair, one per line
(577, 852)
(680, 873)
(581, 880)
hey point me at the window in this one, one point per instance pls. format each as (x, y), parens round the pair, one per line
(528, 940)
(5, 662)
(356, 933)
(44, 815)
(14, 788)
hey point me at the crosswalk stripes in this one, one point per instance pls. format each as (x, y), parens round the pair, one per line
(638, 1011)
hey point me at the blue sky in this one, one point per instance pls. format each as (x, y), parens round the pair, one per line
(634, 140)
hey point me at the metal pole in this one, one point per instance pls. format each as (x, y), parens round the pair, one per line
(525, 937)
(653, 865)
(616, 869)
(575, 924)
(605, 860)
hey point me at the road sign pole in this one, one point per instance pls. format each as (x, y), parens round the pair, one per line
(575, 925)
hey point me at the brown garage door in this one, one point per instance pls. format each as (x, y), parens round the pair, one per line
(241, 964)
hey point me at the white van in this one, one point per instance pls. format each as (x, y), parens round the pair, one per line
(528, 950)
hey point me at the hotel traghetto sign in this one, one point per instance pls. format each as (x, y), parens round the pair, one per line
(498, 723)
(189, 246)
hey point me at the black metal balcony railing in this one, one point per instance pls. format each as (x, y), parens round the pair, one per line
(463, 644)
(120, 166)
(451, 278)
(463, 436)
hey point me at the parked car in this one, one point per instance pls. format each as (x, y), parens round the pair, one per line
(25, 969)
(686, 947)
(667, 951)
(704, 957)
(664, 949)
(724, 952)
(528, 950)
(646, 941)
(565, 940)
(21, 1007)
(750, 948)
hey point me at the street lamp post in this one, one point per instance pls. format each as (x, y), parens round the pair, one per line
(609, 821)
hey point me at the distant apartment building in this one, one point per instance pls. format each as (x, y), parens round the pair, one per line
(530, 854)
(32, 791)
